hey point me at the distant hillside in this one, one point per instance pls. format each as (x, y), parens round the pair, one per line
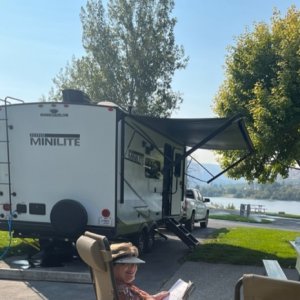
(197, 171)
(206, 173)
(294, 177)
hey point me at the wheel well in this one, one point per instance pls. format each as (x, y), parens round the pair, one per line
(147, 227)
(152, 227)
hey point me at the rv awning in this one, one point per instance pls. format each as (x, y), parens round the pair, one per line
(208, 133)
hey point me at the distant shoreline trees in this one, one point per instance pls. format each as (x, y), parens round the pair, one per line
(275, 191)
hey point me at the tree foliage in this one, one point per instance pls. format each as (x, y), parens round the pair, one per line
(131, 56)
(263, 83)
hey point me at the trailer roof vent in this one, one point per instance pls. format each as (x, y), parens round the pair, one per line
(71, 96)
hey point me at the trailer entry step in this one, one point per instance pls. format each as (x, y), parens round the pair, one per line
(182, 233)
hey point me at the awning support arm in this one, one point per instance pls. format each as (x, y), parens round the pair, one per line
(238, 119)
(228, 168)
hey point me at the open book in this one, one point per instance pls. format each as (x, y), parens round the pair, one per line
(180, 290)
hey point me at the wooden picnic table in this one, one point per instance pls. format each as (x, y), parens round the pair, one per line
(258, 208)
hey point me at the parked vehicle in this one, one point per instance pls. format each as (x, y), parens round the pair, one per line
(71, 166)
(194, 209)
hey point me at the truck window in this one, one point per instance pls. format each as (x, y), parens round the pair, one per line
(189, 194)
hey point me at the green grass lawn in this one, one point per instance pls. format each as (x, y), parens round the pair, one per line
(241, 245)
(16, 246)
(247, 246)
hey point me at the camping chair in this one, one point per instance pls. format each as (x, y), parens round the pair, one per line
(94, 250)
(257, 287)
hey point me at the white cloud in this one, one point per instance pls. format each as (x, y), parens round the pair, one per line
(205, 156)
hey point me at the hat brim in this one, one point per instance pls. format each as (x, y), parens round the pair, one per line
(129, 260)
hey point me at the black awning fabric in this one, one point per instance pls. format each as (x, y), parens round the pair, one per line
(208, 133)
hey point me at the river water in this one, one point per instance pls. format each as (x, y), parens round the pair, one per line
(270, 206)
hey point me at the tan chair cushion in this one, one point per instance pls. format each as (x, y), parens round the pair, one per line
(95, 252)
(257, 287)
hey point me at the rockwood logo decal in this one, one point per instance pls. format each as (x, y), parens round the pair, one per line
(54, 139)
(54, 113)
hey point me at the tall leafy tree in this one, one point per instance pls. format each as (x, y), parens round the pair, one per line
(131, 56)
(263, 82)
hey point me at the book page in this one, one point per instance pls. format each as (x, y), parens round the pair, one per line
(178, 290)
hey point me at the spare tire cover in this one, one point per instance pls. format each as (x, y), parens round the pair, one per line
(68, 217)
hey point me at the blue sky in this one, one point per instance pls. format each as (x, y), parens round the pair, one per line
(38, 38)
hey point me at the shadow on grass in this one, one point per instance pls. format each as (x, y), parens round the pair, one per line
(222, 253)
(16, 250)
(218, 232)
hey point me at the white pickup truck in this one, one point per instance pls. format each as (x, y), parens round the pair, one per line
(194, 209)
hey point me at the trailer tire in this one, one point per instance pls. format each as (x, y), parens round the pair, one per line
(140, 241)
(150, 242)
(69, 218)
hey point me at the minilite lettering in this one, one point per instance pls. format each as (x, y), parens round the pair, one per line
(53, 139)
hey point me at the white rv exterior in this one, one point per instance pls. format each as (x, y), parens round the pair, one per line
(71, 166)
(66, 168)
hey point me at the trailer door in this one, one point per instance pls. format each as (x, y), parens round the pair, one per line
(167, 181)
(178, 183)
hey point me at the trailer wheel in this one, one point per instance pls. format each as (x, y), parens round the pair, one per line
(150, 240)
(69, 217)
(140, 241)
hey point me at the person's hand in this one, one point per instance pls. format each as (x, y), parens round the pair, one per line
(160, 296)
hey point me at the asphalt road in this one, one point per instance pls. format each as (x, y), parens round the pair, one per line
(167, 256)
(163, 265)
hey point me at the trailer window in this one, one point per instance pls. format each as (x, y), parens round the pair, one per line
(152, 168)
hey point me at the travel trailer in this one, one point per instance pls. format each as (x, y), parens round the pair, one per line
(71, 166)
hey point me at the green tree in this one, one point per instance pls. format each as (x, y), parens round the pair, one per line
(131, 56)
(263, 83)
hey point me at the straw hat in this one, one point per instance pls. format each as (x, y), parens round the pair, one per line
(125, 253)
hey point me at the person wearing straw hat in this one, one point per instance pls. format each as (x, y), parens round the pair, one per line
(125, 262)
